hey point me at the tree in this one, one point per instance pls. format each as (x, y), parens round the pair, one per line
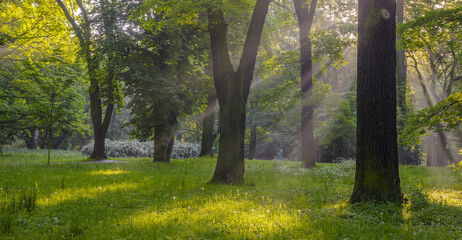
(305, 17)
(377, 173)
(54, 91)
(233, 89)
(101, 68)
(208, 119)
(431, 41)
(163, 71)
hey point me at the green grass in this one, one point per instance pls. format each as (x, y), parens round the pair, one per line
(144, 200)
(57, 156)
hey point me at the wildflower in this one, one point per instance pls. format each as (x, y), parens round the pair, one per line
(299, 211)
(234, 212)
(174, 198)
(268, 211)
(56, 219)
(252, 210)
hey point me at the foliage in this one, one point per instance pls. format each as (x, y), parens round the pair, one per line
(30, 29)
(164, 74)
(444, 116)
(134, 148)
(56, 91)
(280, 201)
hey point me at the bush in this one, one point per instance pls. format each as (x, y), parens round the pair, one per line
(135, 148)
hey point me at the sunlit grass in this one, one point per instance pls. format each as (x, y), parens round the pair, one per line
(145, 200)
(108, 172)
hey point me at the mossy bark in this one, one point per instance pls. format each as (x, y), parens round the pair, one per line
(377, 174)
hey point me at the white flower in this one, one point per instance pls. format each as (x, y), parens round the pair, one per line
(174, 198)
(56, 219)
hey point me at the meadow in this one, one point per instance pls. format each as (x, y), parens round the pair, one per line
(138, 199)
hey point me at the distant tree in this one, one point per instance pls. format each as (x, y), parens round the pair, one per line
(305, 17)
(163, 74)
(233, 90)
(208, 119)
(377, 173)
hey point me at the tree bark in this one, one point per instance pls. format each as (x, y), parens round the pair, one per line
(164, 139)
(377, 173)
(305, 17)
(232, 89)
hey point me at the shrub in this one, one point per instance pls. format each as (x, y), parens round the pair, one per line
(135, 148)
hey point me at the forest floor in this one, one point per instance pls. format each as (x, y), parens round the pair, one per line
(144, 200)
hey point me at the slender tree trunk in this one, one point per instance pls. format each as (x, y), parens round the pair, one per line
(305, 17)
(35, 139)
(428, 98)
(232, 89)
(253, 141)
(100, 125)
(377, 173)
(207, 127)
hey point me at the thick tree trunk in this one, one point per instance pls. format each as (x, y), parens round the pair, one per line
(232, 91)
(253, 141)
(230, 165)
(163, 145)
(377, 173)
(164, 139)
(207, 127)
(305, 17)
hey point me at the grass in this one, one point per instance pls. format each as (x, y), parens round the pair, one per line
(144, 200)
(57, 156)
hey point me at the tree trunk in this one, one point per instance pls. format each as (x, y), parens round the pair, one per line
(377, 173)
(207, 127)
(163, 145)
(253, 141)
(164, 139)
(232, 89)
(230, 164)
(305, 17)
(436, 150)
(35, 139)
(98, 146)
(100, 125)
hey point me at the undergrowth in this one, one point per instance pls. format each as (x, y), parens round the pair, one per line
(145, 200)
